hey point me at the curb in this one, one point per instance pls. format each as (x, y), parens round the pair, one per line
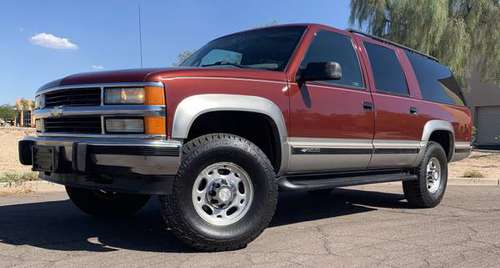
(474, 181)
(465, 182)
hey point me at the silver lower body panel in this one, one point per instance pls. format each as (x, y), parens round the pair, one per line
(323, 154)
(462, 151)
(141, 157)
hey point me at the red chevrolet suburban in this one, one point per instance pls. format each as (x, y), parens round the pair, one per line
(301, 107)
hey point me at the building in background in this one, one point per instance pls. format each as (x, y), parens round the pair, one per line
(24, 113)
(484, 102)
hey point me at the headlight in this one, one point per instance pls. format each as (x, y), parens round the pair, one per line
(118, 125)
(124, 96)
(39, 102)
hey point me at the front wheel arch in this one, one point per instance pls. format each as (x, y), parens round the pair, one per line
(258, 128)
(191, 108)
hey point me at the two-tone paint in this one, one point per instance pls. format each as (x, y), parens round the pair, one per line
(321, 127)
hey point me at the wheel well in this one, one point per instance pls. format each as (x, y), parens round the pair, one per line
(257, 128)
(444, 138)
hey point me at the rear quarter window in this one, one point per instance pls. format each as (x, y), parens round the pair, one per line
(435, 80)
(387, 71)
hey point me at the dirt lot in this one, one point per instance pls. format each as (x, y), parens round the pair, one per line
(9, 160)
(487, 164)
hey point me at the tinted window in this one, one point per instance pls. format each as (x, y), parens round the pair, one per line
(269, 49)
(386, 69)
(217, 55)
(330, 46)
(436, 81)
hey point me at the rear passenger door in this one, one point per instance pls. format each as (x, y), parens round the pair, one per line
(397, 122)
(331, 123)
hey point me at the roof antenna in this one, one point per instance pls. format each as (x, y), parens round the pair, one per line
(140, 32)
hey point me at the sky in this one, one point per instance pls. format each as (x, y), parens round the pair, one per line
(41, 41)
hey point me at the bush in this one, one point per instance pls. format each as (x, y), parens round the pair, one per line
(18, 178)
(473, 174)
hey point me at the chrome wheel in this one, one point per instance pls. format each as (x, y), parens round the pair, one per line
(433, 172)
(222, 193)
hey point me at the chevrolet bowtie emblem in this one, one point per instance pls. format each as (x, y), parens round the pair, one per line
(56, 112)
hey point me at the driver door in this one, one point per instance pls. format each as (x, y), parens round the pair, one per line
(332, 122)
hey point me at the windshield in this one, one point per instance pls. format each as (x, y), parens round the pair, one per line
(268, 49)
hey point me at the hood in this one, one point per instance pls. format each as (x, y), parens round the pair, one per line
(158, 74)
(130, 75)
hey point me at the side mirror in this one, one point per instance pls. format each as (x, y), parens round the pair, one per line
(318, 71)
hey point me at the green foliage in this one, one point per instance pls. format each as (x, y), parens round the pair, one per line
(463, 34)
(7, 112)
(24, 104)
(473, 174)
(183, 56)
(12, 178)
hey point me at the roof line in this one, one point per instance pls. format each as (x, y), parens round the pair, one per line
(391, 42)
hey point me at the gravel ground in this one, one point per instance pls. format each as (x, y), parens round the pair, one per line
(487, 164)
(368, 226)
(9, 159)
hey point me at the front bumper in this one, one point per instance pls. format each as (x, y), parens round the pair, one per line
(121, 165)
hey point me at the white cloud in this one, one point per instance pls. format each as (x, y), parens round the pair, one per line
(51, 41)
(97, 67)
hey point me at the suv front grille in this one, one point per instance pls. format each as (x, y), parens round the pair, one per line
(74, 97)
(85, 125)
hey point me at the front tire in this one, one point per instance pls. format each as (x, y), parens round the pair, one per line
(106, 204)
(224, 194)
(432, 173)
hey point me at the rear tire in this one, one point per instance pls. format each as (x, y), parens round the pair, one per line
(209, 185)
(106, 204)
(432, 173)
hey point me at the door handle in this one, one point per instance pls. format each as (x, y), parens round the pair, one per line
(413, 110)
(368, 106)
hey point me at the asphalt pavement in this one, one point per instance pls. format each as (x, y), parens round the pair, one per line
(363, 226)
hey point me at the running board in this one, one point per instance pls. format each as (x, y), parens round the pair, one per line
(303, 184)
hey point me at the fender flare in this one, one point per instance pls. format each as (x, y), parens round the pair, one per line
(434, 125)
(190, 108)
(429, 128)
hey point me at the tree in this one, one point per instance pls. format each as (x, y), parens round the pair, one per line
(183, 56)
(463, 34)
(24, 105)
(7, 112)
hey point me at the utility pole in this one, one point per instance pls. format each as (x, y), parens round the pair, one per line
(140, 33)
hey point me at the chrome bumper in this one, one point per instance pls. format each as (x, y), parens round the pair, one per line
(95, 155)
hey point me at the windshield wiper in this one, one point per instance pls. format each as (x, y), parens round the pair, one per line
(222, 63)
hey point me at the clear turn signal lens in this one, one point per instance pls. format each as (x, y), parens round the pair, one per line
(115, 125)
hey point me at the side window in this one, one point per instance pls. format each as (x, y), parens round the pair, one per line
(387, 72)
(436, 81)
(330, 46)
